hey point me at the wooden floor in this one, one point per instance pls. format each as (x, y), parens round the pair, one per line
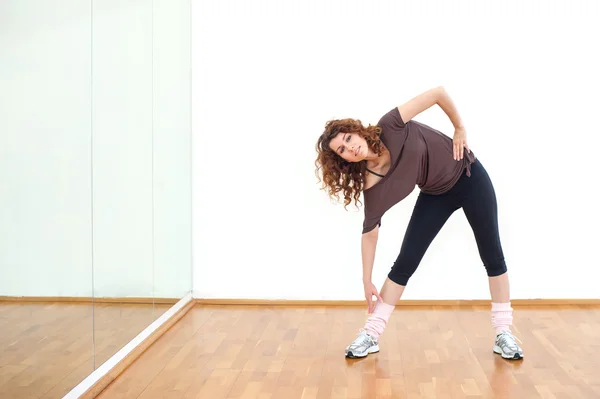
(48, 348)
(295, 352)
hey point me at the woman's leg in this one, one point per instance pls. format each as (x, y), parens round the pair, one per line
(429, 216)
(500, 288)
(480, 208)
(391, 293)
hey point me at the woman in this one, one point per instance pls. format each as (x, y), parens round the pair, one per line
(385, 162)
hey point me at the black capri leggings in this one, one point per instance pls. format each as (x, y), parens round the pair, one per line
(476, 196)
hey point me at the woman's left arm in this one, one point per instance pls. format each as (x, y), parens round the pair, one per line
(438, 96)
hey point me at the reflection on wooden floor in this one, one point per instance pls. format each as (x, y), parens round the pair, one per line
(295, 352)
(46, 348)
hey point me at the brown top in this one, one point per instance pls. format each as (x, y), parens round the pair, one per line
(420, 156)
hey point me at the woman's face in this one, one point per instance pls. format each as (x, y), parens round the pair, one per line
(350, 146)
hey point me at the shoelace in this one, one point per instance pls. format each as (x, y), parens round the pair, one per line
(362, 337)
(508, 339)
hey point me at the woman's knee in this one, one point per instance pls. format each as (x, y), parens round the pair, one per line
(400, 276)
(496, 268)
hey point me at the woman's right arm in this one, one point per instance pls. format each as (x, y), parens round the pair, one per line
(368, 246)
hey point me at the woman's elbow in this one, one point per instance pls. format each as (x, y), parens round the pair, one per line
(372, 234)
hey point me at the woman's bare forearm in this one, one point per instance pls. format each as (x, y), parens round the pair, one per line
(368, 246)
(444, 101)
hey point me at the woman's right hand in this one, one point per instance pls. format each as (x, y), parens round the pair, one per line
(370, 291)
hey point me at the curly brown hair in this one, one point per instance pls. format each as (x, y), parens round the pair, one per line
(339, 175)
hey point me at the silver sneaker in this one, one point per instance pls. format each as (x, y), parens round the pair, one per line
(362, 346)
(506, 345)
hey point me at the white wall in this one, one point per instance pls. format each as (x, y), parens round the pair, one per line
(119, 74)
(268, 75)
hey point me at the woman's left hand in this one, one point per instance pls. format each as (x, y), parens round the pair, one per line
(460, 143)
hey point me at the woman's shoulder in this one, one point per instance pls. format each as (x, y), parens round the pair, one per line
(392, 120)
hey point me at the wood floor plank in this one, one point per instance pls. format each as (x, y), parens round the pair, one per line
(221, 351)
(46, 348)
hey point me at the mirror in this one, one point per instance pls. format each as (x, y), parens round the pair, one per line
(141, 166)
(95, 173)
(122, 149)
(46, 315)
